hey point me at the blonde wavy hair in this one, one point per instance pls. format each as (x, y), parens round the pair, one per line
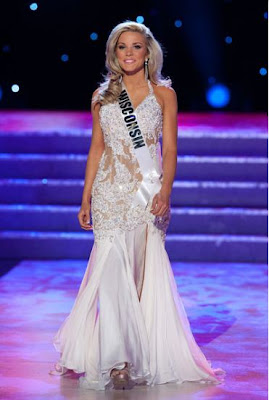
(110, 88)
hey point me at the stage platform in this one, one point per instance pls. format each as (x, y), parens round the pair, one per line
(226, 305)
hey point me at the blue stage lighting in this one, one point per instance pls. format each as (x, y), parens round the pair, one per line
(228, 39)
(6, 48)
(33, 6)
(64, 57)
(263, 71)
(1, 93)
(140, 19)
(218, 95)
(178, 23)
(265, 15)
(15, 88)
(44, 180)
(93, 36)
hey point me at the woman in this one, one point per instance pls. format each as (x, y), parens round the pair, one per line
(128, 324)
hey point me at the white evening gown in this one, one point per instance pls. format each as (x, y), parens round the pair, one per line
(128, 308)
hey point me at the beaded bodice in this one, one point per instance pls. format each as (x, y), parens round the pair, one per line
(118, 175)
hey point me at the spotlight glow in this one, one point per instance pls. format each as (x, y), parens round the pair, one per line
(33, 6)
(140, 19)
(228, 39)
(94, 36)
(64, 57)
(6, 48)
(15, 88)
(178, 23)
(218, 95)
(265, 15)
(263, 71)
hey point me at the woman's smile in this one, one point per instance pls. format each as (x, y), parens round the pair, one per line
(129, 61)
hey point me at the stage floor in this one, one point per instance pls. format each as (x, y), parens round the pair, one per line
(226, 305)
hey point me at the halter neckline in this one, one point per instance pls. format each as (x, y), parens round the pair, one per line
(149, 94)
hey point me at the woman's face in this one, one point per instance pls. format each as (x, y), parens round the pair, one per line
(131, 51)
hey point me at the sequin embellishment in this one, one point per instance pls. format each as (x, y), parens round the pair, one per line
(118, 175)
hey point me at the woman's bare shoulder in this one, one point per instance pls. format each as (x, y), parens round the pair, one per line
(165, 94)
(95, 99)
(164, 91)
(96, 92)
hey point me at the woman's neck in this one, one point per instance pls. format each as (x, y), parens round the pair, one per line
(134, 81)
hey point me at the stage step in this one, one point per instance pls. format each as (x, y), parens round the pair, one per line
(58, 245)
(232, 221)
(72, 166)
(191, 141)
(219, 197)
(185, 193)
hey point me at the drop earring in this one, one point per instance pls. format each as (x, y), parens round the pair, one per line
(146, 69)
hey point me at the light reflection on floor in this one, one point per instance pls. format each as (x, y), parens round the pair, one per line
(226, 305)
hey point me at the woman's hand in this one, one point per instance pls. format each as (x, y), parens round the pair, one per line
(160, 202)
(84, 217)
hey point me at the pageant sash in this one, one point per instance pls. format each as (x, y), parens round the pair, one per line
(151, 171)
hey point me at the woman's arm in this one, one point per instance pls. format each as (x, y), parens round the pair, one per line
(161, 201)
(94, 156)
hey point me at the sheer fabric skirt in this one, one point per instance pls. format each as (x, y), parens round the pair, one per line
(128, 309)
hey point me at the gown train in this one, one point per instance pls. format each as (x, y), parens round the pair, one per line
(128, 309)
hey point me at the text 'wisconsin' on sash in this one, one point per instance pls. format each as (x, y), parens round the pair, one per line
(130, 120)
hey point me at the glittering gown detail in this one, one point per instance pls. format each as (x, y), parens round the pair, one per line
(128, 308)
(119, 175)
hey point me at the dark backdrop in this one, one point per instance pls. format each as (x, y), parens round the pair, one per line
(196, 54)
